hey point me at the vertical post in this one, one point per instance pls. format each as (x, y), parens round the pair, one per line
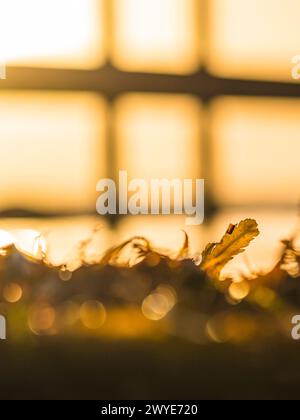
(111, 99)
(207, 98)
(207, 159)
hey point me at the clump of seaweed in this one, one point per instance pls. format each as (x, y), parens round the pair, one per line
(154, 286)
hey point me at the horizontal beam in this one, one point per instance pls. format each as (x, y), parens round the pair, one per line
(111, 82)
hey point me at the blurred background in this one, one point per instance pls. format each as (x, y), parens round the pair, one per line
(160, 88)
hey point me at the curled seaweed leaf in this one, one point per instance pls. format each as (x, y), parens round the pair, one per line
(234, 242)
(139, 247)
(184, 251)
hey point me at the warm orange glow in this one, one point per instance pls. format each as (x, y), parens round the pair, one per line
(227, 327)
(256, 148)
(164, 232)
(158, 136)
(12, 292)
(41, 318)
(52, 150)
(157, 35)
(157, 305)
(92, 315)
(253, 38)
(130, 323)
(6, 239)
(52, 33)
(64, 235)
(239, 291)
(263, 253)
(69, 314)
(59, 238)
(30, 243)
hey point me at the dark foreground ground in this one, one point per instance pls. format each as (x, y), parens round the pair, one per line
(55, 369)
